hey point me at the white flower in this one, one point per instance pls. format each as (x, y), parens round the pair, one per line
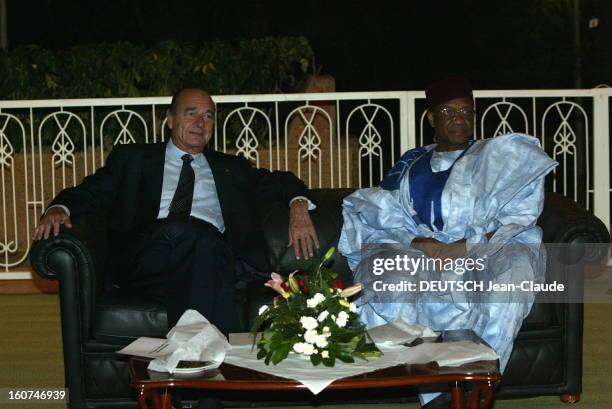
(299, 347)
(322, 316)
(263, 309)
(311, 336)
(324, 354)
(315, 300)
(308, 323)
(352, 307)
(342, 319)
(308, 349)
(326, 330)
(321, 341)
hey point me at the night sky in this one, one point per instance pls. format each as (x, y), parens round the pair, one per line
(365, 45)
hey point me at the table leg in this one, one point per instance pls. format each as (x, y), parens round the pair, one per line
(457, 396)
(488, 391)
(570, 398)
(475, 401)
(482, 395)
(144, 395)
(475, 398)
(142, 399)
(166, 400)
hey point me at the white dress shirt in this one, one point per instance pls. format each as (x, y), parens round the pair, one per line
(205, 205)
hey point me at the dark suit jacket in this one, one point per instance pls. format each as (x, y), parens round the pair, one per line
(129, 187)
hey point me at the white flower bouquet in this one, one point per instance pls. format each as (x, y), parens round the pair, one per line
(313, 317)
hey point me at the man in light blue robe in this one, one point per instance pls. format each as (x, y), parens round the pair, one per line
(454, 199)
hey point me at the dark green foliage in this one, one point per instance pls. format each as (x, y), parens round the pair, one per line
(123, 69)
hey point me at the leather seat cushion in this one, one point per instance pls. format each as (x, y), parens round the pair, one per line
(121, 318)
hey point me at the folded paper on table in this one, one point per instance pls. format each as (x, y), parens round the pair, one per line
(317, 378)
(149, 347)
(242, 338)
(454, 353)
(193, 338)
(399, 332)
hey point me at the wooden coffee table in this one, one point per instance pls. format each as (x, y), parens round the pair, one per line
(155, 388)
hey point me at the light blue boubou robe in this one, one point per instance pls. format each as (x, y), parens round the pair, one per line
(497, 185)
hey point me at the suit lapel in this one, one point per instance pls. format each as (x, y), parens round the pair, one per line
(223, 181)
(153, 172)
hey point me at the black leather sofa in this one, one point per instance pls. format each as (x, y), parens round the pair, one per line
(97, 321)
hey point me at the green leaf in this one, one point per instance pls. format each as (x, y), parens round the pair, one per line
(268, 335)
(331, 361)
(280, 352)
(368, 354)
(315, 359)
(345, 358)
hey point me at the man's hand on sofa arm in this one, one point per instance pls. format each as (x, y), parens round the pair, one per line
(51, 221)
(302, 234)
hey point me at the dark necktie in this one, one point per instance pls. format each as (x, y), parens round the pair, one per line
(180, 207)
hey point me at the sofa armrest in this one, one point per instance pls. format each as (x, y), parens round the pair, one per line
(74, 257)
(570, 230)
(565, 221)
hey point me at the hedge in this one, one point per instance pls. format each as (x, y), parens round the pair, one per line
(123, 69)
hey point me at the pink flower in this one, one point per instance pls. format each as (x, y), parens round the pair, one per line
(277, 284)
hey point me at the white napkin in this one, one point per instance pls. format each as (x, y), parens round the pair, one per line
(315, 378)
(196, 339)
(399, 332)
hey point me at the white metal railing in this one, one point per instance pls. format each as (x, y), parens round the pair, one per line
(328, 139)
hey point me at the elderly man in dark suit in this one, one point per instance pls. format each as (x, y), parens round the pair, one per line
(188, 213)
